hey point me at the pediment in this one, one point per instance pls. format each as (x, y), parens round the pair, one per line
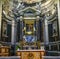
(29, 10)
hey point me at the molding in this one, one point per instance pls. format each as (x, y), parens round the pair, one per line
(7, 16)
(29, 18)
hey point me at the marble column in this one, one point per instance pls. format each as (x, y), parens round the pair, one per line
(46, 36)
(21, 27)
(58, 6)
(14, 32)
(37, 26)
(0, 17)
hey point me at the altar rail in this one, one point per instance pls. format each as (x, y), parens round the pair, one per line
(12, 57)
(52, 53)
(51, 57)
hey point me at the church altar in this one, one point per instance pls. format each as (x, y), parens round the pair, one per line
(30, 54)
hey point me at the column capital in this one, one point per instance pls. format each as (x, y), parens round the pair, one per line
(46, 17)
(38, 17)
(21, 18)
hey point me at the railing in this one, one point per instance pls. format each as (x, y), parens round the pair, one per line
(51, 57)
(52, 53)
(12, 57)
